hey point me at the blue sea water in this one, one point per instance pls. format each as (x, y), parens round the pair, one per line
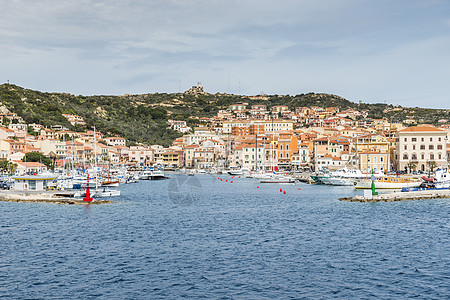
(198, 237)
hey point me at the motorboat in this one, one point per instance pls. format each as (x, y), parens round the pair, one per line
(341, 181)
(152, 175)
(105, 193)
(342, 177)
(239, 172)
(277, 179)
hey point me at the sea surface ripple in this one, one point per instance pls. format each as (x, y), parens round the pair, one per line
(198, 237)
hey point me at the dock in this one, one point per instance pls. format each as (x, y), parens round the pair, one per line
(45, 197)
(401, 196)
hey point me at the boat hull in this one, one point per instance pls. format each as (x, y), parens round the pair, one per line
(277, 180)
(339, 181)
(367, 184)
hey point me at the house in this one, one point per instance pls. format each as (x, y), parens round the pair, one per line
(29, 167)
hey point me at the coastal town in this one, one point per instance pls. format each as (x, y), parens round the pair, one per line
(251, 137)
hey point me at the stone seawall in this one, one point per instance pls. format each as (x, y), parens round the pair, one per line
(401, 196)
(46, 197)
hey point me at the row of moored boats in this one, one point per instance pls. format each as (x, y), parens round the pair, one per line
(379, 180)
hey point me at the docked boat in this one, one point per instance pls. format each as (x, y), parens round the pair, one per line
(343, 176)
(110, 183)
(239, 172)
(341, 181)
(153, 175)
(277, 179)
(318, 177)
(105, 193)
(388, 183)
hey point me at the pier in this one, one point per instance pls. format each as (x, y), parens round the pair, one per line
(45, 197)
(401, 196)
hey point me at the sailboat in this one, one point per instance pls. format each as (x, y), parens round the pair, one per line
(105, 192)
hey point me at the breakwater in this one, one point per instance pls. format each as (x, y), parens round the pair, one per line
(45, 197)
(401, 196)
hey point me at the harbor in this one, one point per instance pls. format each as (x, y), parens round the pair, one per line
(198, 235)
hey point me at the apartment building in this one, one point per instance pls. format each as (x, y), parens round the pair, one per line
(421, 147)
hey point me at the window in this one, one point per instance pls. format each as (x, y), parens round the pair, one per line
(414, 147)
(440, 156)
(431, 139)
(406, 139)
(439, 139)
(382, 159)
(439, 147)
(431, 156)
(422, 139)
(431, 147)
(406, 147)
(422, 156)
(414, 140)
(414, 157)
(422, 147)
(405, 156)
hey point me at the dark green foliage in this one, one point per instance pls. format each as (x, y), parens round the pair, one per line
(143, 118)
(38, 157)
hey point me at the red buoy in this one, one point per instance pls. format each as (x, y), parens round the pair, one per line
(281, 190)
(257, 187)
(231, 181)
(88, 192)
(284, 192)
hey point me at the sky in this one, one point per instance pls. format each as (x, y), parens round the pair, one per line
(383, 51)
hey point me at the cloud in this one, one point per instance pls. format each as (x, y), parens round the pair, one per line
(368, 50)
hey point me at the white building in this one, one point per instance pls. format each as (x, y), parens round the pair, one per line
(421, 147)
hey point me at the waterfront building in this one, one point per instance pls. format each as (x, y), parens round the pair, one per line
(421, 147)
(287, 146)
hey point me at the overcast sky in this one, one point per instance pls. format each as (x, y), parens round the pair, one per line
(396, 52)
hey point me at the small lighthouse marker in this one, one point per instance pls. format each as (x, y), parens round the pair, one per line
(88, 197)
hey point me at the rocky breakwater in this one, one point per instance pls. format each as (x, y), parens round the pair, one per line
(401, 196)
(45, 197)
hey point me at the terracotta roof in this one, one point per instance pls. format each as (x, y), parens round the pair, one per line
(31, 164)
(423, 127)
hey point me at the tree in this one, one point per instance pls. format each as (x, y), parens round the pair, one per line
(38, 157)
(7, 166)
(411, 166)
(31, 131)
(4, 164)
(432, 164)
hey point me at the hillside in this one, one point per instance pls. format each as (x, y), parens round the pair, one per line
(143, 118)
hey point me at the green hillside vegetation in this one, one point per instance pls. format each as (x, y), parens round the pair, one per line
(143, 118)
